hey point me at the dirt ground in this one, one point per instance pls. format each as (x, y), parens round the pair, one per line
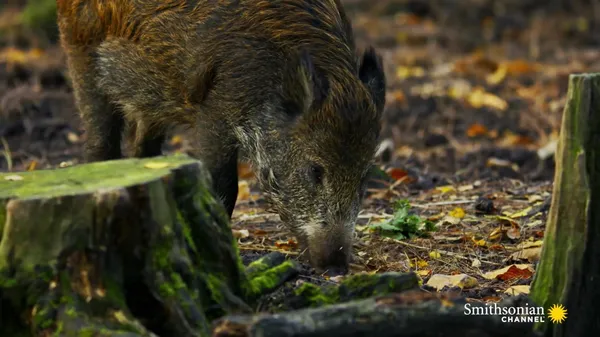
(475, 96)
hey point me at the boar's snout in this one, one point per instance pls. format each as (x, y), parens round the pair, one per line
(330, 254)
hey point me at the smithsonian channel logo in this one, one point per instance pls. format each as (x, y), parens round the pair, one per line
(526, 314)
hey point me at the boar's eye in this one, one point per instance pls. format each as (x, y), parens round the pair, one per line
(316, 173)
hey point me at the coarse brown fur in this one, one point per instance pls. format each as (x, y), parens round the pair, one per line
(277, 80)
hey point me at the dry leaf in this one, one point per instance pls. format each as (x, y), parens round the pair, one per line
(243, 190)
(176, 140)
(477, 130)
(457, 213)
(479, 98)
(445, 189)
(518, 290)
(439, 281)
(240, 234)
(396, 173)
(32, 165)
(512, 270)
(513, 233)
(435, 255)
(156, 165)
(13, 178)
(521, 213)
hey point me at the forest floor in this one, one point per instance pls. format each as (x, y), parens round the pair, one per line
(475, 97)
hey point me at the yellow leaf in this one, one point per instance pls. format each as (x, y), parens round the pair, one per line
(463, 281)
(423, 272)
(498, 76)
(445, 189)
(176, 140)
(480, 243)
(435, 255)
(156, 165)
(521, 213)
(406, 72)
(496, 234)
(457, 213)
(479, 98)
(517, 290)
(32, 165)
(243, 190)
(506, 219)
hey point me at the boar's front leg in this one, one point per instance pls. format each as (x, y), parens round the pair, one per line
(220, 154)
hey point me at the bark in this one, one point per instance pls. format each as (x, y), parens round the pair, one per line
(569, 273)
(412, 313)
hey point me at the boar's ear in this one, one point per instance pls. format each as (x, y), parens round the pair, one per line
(372, 75)
(305, 89)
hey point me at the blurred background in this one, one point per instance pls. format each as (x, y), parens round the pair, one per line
(476, 88)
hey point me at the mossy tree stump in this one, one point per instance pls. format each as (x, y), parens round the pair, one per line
(569, 269)
(120, 248)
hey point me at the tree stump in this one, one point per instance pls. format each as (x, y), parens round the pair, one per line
(569, 270)
(133, 247)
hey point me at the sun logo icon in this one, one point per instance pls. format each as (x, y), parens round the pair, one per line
(557, 313)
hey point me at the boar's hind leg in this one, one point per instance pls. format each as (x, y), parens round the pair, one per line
(101, 119)
(130, 77)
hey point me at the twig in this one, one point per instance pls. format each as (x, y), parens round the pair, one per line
(443, 252)
(443, 203)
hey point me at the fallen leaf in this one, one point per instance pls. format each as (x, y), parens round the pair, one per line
(286, 245)
(521, 213)
(530, 254)
(406, 72)
(176, 140)
(243, 190)
(513, 233)
(496, 234)
(465, 188)
(476, 263)
(445, 189)
(424, 273)
(463, 281)
(479, 98)
(156, 165)
(32, 165)
(397, 173)
(498, 76)
(13, 178)
(476, 130)
(240, 233)
(517, 290)
(435, 255)
(73, 137)
(457, 213)
(511, 272)
(495, 162)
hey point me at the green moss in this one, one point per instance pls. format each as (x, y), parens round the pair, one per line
(2, 216)
(87, 332)
(177, 281)
(358, 281)
(316, 295)
(215, 284)
(87, 178)
(6, 282)
(114, 293)
(166, 290)
(269, 279)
